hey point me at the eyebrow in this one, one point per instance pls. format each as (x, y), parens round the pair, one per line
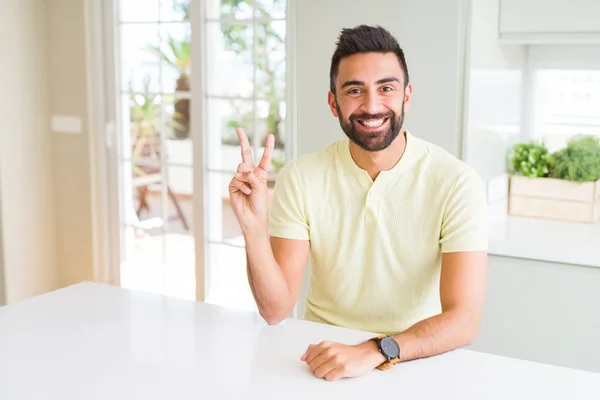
(361, 83)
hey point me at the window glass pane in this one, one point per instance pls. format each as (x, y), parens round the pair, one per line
(227, 278)
(179, 273)
(147, 204)
(142, 259)
(139, 61)
(177, 125)
(229, 62)
(270, 8)
(179, 199)
(238, 9)
(271, 120)
(174, 53)
(141, 126)
(224, 151)
(221, 221)
(270, 59)
(567, 103)
(142, 116)
(157, 262)
(139, 10)
(174, 10)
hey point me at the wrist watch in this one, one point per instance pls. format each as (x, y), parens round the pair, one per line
(390, 350)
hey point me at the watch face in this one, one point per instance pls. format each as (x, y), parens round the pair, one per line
(390, 348)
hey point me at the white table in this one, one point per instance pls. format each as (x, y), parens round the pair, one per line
(92, 341)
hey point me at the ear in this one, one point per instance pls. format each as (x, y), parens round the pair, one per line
(331, 102)
(407, 96)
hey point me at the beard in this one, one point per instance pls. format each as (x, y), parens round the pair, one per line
(374, 140)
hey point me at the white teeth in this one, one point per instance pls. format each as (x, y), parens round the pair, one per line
(372, 123)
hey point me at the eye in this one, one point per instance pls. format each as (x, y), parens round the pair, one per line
(354, 91)
(387, 88)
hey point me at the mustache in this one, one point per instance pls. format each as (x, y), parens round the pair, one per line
(355, 117)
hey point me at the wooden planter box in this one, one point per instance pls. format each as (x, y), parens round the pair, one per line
(554, 199)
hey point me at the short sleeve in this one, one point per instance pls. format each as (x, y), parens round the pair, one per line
(287, 216)
(465, 218)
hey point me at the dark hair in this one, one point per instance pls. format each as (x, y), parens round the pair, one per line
(364, 39)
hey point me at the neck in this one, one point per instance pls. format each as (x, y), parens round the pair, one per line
(384, 160)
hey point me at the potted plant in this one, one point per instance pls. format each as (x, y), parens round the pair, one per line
(564, 185)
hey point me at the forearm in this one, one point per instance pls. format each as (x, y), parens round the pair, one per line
(447, 331)
(267, 281)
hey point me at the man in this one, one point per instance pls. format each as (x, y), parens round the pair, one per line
(395, 227)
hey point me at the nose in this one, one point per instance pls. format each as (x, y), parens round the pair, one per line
(371, 104)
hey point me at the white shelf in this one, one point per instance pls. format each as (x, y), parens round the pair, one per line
(540, 239)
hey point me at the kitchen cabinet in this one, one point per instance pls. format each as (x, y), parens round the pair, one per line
(549, 21)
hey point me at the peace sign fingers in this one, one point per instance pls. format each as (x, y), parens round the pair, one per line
(266, 158)
(245, 144)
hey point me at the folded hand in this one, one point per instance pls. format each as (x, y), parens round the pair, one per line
(332, 361)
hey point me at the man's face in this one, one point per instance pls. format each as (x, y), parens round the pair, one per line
(370, 99)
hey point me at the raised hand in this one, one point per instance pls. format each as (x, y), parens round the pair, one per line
(248, 189)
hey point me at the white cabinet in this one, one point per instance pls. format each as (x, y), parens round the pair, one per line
(549, 21)
(542, 312)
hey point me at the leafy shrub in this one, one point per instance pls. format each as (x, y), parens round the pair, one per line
(579, 161)
(530, 159)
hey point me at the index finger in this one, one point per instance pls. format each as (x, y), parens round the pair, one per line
(314, 353)
(245, 144)
(307, 352)
(266, 158)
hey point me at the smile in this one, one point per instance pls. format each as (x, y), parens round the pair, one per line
(372, 123)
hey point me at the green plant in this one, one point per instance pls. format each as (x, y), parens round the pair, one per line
(144, 116)
(257, 46)
(176, 54)
(530, 159)
(579, 161)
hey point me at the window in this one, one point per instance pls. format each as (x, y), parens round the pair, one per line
(155, 149)
(567, 103)
(163, 48)
(565, 93)
(246, 77)
(245, 85)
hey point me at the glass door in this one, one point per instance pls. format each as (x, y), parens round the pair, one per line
(235, 51)
(155, 146)
(245, 66)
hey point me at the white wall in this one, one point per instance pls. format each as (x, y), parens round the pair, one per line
(26, 179)
(495, 79)
(542, 312)
(430, 34)
(70, 153)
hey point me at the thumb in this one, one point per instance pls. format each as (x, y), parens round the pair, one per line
(256, 179)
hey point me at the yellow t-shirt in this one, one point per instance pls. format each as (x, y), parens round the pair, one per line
(376, 246)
